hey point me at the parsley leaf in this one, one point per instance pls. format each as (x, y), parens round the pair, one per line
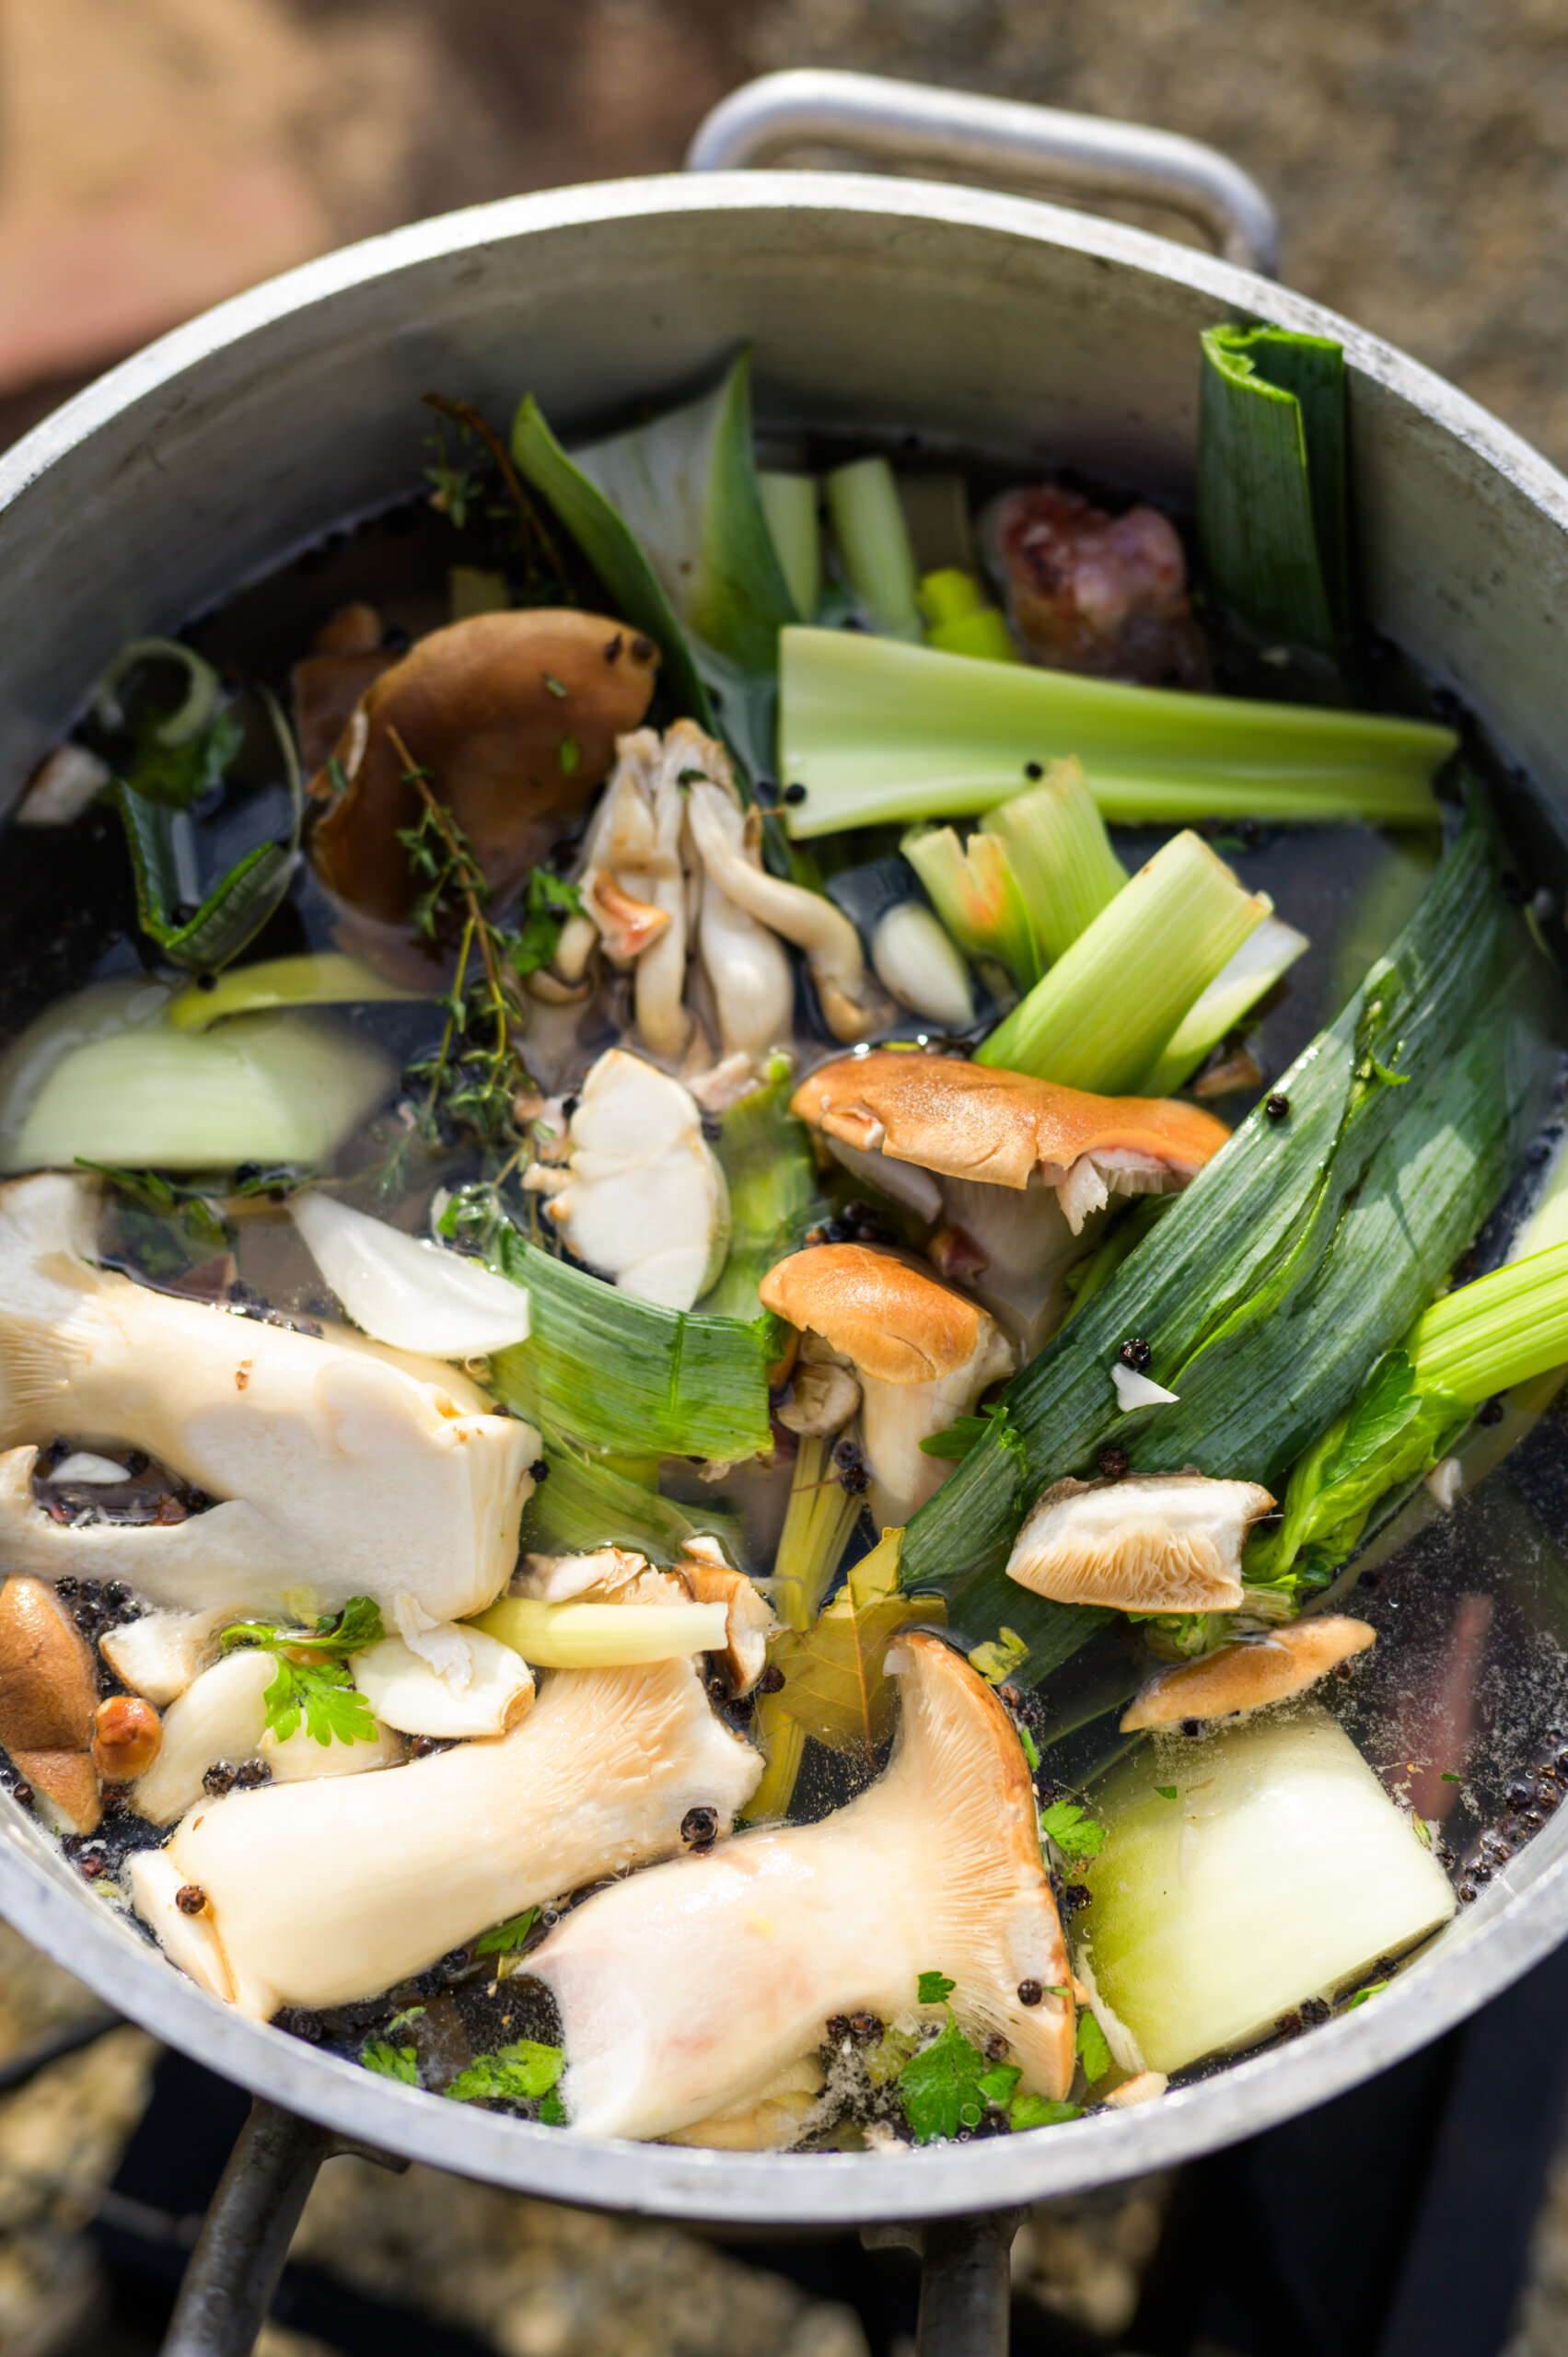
(548, 903)
(312, 1679)
(1166, 1791)
(1374, 1989)
(519, 2074)
(390, 2062)
(934, 1988)
(1076, 1833)
(998, 2084)
(503, 1937)
(1092, 2048)
(1039, 2111)
(940, 2087)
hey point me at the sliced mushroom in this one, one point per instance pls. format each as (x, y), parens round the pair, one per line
(66, 783)
(642, 1198)
(748, 1617)
(557, 1579)
(1024, 1162)
(1150, 1542)
(922, 1354)
(823, 1394)
(513, 716)
(1250, 1674)
(48, 1696)
(345, 1467)
(308, 1885)
(486, 1691)
(685, 1992)
(768, 2122)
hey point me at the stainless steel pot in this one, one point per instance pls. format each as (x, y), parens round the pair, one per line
(998, 322)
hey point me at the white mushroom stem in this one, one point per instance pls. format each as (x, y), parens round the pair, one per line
(831, 942)
(750, 975)
(635, 840)
(687, 1990)
(896, 1417)
(1028, 1245)
(318, 1894)
(345, 1468)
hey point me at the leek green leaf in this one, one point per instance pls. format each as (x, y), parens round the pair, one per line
(627, 1375)
(1093, 2051)
(1271, 484)
(590, 1500)
(835, 1685)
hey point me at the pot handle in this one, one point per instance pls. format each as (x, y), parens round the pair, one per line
(990, 139)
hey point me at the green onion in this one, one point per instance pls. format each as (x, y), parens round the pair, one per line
(1272, 495)
(634, 1378)
(603, 1636)
(1497, 1331)
(1060, 855)
(877, 731)
(1257, 965)
(1269, 1290)
(789, 503)
(766, 1157)
(1101, 1016)
(873, 538)
(977, 895)
(590, 1500)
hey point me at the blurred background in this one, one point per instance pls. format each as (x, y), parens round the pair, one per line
(159, 154)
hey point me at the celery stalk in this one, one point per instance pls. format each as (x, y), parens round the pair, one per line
(977, 895)
(868, 523)
(1256, 967)
(1499, 1330)
(789, 503)
(1060, 855)
(1101, 1016)
(877, 731)
(602, 1636)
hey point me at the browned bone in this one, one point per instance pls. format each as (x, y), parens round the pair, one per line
(513, 716)
(48, 1695)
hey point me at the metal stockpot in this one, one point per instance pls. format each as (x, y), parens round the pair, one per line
(993, 321)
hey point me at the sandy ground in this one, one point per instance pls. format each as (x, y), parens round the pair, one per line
(156, 154)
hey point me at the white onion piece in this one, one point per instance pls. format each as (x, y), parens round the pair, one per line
(220, 1715)
(82, 1465)
(915, 961)
(405, 1691)
(398, 1289)
(1134, 1390)
(1281, 1871)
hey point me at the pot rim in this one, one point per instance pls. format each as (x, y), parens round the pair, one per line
(1520, 1917)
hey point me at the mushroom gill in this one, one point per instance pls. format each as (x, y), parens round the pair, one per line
(1250, 1674)
(922, 1354)
(1149, 1542)
(308, 1885)
(513, 716)
(687, 1990)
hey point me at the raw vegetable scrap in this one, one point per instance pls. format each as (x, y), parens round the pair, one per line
(311, 1678)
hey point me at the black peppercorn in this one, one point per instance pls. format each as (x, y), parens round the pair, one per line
(795, 795)
(996, 2047)
(1277, 1106)
(1029, 1992)
(700, 1827)
(540, 1471)
(1289, 2025)
(865, 2028)
(190, 1899)
(1136, 1354)
(1467, 1892)
(218, 1778)
(771, 1680)
(855, 1480)
(22, 1795)
(1113, 1463)
(1191, 1726)
(252, 1774)
(838, 2028)
(1491, 1411)
(1033, 771)
(1314, 2011)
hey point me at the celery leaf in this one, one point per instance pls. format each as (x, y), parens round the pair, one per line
(1076, 1833)
(518, 2074)
(1093, 2051)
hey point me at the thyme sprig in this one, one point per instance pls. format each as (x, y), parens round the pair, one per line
(477, 1075)
(458, 490)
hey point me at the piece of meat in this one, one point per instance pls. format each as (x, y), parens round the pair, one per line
(1094, 593)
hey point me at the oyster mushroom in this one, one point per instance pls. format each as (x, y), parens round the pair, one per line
(687, 1990)
(1023, 1162)
(922, 1354)
(642, 1198)
(515, 715)
(343, 1468)
(308, 1885)
(728, 842)
(1250, 1674)
(48, 1699)
(823, 1394)
(1150, 1542)
(633, 841)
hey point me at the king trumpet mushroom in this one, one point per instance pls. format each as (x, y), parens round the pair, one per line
(513, 717)
(688, 1989)
(1250, 1674)
(343, 1466)
(47, 1703)
(921, 1355)
(1022, 1162)
(642, 1198)
(1149, 1542)
(308, 1885)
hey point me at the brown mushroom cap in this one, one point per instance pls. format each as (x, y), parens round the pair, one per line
(885, 1312)
(127, 1737)
(1250, 1674)
(48, 1694)
(1150, 1542)
(514, 715)
(970, 1121)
